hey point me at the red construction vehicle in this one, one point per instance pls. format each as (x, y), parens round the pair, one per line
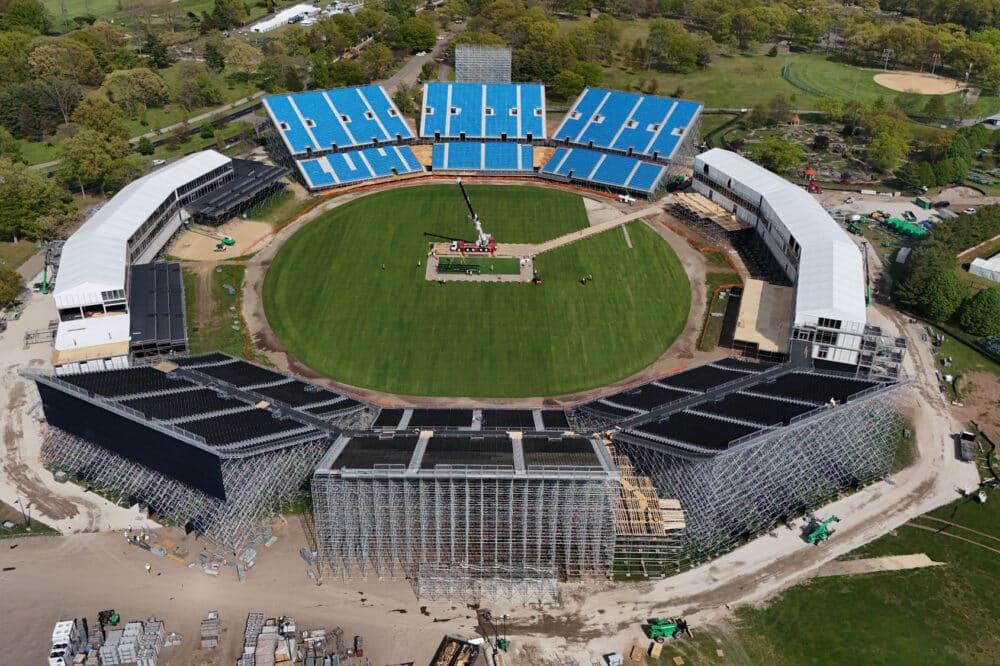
(484, 241)
(815, 188)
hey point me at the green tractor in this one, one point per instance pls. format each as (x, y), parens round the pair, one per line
(820, 531)
(661, 630)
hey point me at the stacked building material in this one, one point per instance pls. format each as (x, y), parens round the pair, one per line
(267, 644)
(255, 622)
(210, 630)
(151, 641)
(109, 651)
(128, 646)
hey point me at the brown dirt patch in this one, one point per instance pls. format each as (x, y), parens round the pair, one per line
(194, 246)
(980, 391)
(925, 84)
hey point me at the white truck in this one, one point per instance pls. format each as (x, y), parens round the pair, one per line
(65, 642)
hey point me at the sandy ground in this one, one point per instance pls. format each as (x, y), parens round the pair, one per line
(925, 84)
(682, 353)
(65, 507)
(877, 564)
(194, 246)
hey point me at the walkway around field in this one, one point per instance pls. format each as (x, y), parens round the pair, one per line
(876, 564)
(535, 249)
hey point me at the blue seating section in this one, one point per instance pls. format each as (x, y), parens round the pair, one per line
(357, 165)
(482, 156)
(344, 117)
(605, 169)
(478, 110)
(650, 126)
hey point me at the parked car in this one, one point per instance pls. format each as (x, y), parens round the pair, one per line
(940, 204)
(969, 211)
(159, 162)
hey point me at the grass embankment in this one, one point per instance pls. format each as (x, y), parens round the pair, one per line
(333, 306)
(213, 322)
(14, 515)
(14, 254)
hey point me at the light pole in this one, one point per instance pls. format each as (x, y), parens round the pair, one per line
(935, 61)
(25, 513)
(886, 54)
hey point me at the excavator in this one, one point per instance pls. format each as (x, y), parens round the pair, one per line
(661, 630)
(820, 531)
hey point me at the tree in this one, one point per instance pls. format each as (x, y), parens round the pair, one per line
(567, 85)
(427, 71)
(377, 59)
(607, 33)
(145, 146)
(156, 51)
(11, 284)
(132, 88)
(92, 158)
(26, 15)
(886, 150)
(403, 101)
(942, 294)
(64, 95)
(64, 59)
(9, 147)
(936, 107)
(206, 131)
(670, 46)
(214, 58)
(196, 88)
(980, 315)
(243, 60)
(229, 14)
(776, 154)
(28, 197)
(415, 35)
(98, 114)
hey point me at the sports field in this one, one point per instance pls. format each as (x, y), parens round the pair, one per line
(331, 303)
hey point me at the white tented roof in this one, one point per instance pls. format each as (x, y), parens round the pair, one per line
(94, 258)
(987, 268)
(831, 274)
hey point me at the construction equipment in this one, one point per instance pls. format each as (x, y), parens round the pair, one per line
(108, 618)
(198, 229)
(660, 630)
(814, 187)
(820, 531)
(484, 241)
(854, 228)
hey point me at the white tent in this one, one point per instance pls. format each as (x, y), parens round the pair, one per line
(987, 268)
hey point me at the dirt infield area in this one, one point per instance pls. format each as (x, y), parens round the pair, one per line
(925, 84)
(195, 246)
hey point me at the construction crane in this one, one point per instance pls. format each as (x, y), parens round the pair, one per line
(820, 531)
(484, 241)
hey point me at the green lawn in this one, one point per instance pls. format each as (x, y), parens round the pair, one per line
(333, 306)
(940, 615)
(37, 152)
(14, 515)
(209, 319)
(14, 254)
(487, 265)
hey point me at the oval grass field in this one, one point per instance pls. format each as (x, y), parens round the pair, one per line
(332, 305)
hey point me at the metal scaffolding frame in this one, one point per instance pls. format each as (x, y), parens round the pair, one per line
(479, 63)
(513, 533)
(734, 496)
(256, 487)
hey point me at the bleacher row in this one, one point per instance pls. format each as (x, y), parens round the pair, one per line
(474, 110)
(350, 135)
(605, 169)
(482, 156)
(340, 118)
(631, 122)
(357, 165)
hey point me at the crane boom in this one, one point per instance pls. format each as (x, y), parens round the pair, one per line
(468, 201)
(483, 240)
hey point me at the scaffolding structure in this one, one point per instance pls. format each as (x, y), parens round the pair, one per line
(458, 530)
(256, 487)
(751, 488)
(478, 63)
(647, 528)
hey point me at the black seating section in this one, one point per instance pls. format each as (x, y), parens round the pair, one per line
(339, 407)
(754, 409)
(555, 419)
(508, 419)
(296, 393)
(242, 373)
(186, 403)
(204, 359)
(389, 418)
(578, 451)
(817, 389)
(128, 381)
(609, 411)
(366, 452)
(734, 363)
(698, 430)
(702, 378)
(490, 450)
(239, 426)
(647, 396)
(441, 418)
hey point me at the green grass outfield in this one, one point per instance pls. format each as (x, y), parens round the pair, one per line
(331, 304)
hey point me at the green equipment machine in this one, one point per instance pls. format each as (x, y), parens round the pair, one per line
(661, 630)
(820, 531)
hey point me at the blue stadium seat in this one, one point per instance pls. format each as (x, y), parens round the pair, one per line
(604, 169)
(646, 125)
(315, 174)
(477, 110)
(322, 120)
(482, 156)
(357, 165)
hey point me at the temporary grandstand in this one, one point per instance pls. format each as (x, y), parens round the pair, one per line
(745, 446)
(93, 281)
(481, 63)
(341, 136)
(811, 250)
(211, 443)
(625, 141)
(467, 515)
